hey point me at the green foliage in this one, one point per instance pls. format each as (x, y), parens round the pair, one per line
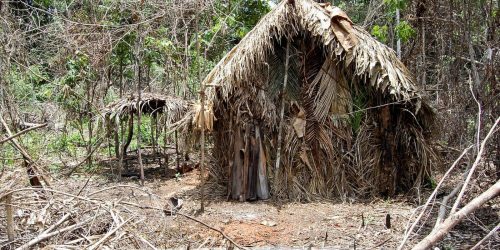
(67, 142)
(396, 4)
(380, 32)
(405, 31)
(122, 53)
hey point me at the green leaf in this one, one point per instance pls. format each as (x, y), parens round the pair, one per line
(404, 31)
(380, 32)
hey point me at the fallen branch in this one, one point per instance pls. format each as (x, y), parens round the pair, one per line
(455, 218)
(44, 236)
(31, 166)
(491, 233)
(424, 208)
(213, 228)
(186, 216)
(474, 165)
(111, 232)
(21, 133)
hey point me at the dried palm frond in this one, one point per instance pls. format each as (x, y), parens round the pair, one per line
(208, 115)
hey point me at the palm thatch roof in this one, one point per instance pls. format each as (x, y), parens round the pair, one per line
(151, 103)
(363, 55)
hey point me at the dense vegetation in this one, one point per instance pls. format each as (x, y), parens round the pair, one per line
(62, 62)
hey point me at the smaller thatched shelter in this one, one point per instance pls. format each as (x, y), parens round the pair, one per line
(353, 121)
(163, 109)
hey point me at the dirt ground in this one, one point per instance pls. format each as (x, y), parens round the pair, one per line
(318, 224)
(261, 224)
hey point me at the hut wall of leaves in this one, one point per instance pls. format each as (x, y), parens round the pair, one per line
(354, 124)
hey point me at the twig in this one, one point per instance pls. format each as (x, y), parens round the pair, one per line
(44, 236)
(424, 207)
(32, 165)
(189, 217)
(492, 232)
(213, 228)
(455, 218)
(22, 132)
(103, 239)
(147, 242)
(476, 162)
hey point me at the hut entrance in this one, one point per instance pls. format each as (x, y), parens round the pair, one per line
(248, 171)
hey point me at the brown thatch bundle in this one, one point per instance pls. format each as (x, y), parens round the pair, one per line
(354, 121)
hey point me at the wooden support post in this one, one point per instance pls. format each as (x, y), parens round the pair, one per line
(202, 120)
(282, 111)
(9, 214)
(165, 151)
(177, 151)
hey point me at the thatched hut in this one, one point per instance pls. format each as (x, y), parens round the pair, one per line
(164, 110)
(353, 121)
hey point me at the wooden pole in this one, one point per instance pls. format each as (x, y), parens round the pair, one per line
(202, 120)
(10, 217)
(282, 111)
(138, 61)
(139, 114)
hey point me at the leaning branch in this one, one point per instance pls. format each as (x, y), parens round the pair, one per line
(431, 197)
(21, 133)
(455, 218)
(476, 163)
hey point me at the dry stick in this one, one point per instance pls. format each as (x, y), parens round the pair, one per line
(187, 216)
(22, 132)
(10, 217)
(202, 120)
(24, 153)
(45, 236)
(213, 228)
(424, 207)
(493, 231)
(476, 163)
(103, 239)
(455, 218)
(282, 111)
(139, 114)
